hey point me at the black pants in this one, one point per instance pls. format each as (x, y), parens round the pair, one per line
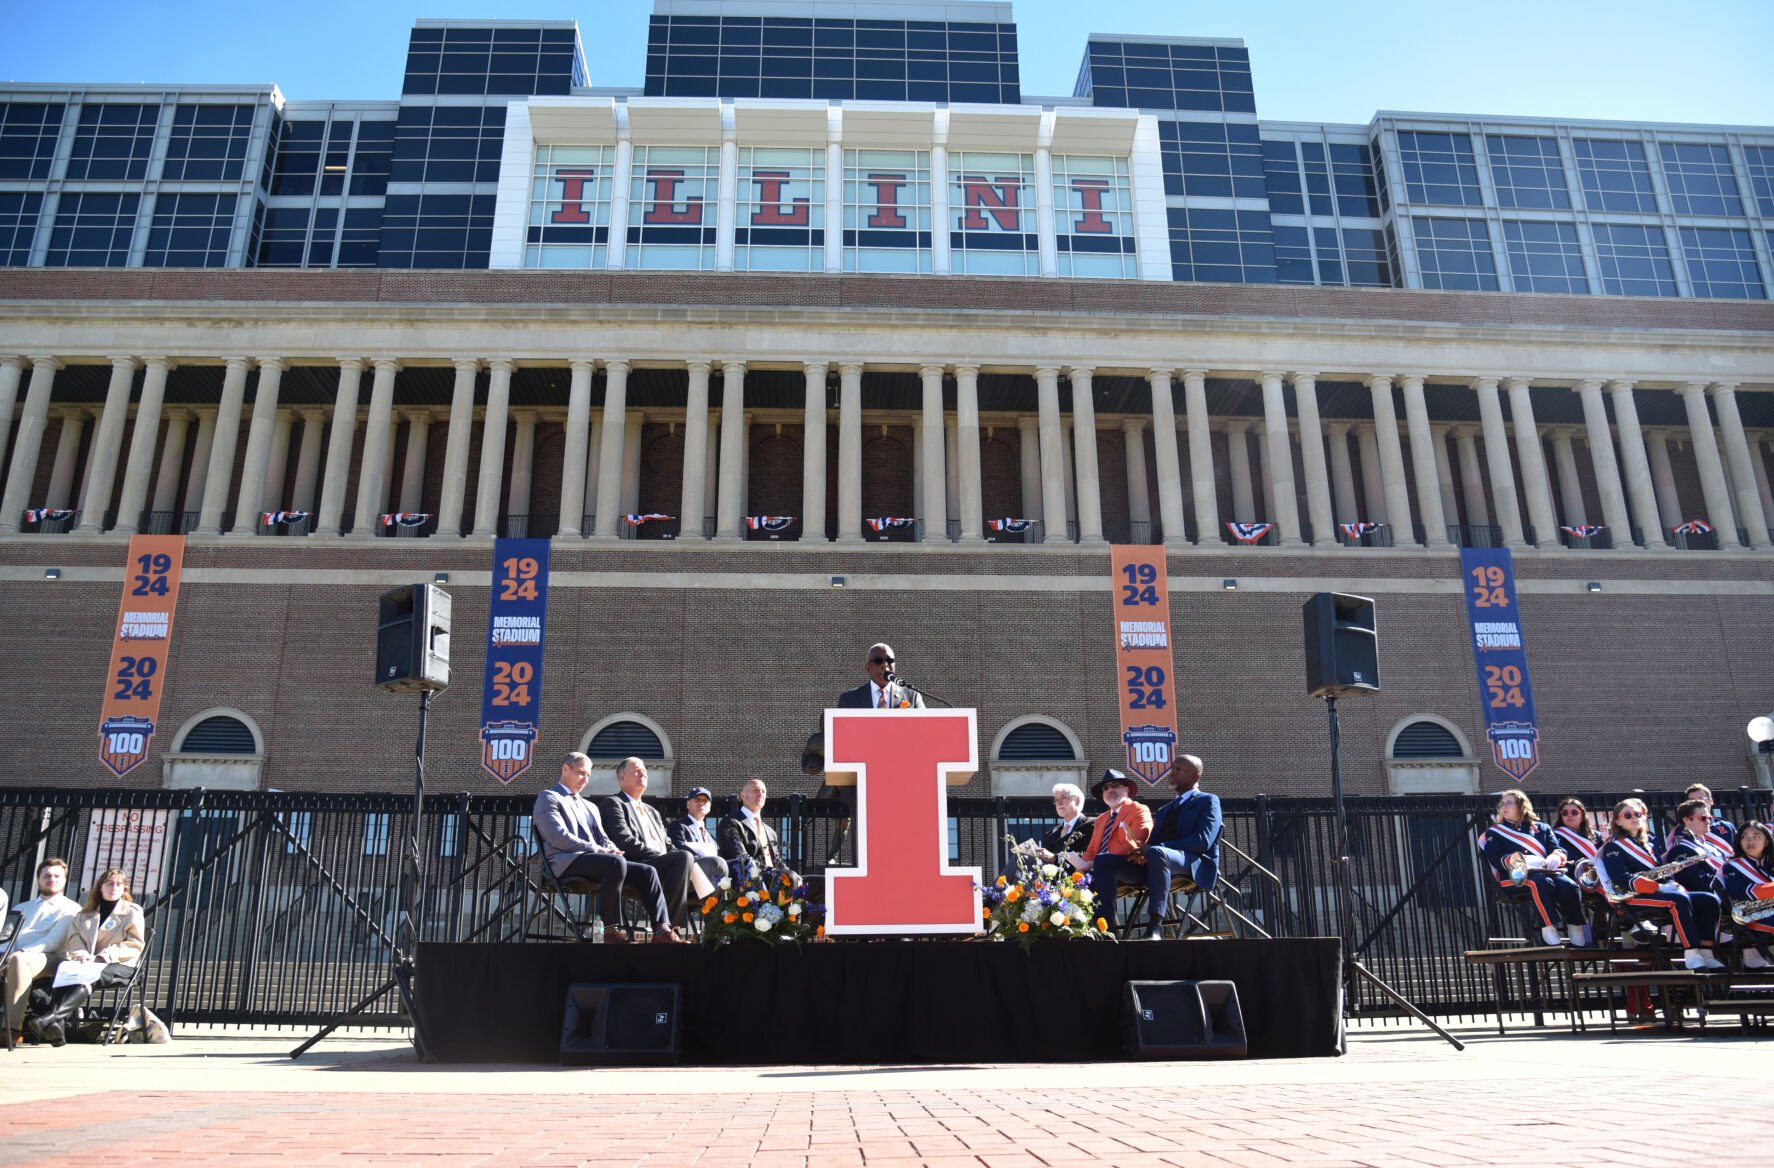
(673, 869)
(613, 874)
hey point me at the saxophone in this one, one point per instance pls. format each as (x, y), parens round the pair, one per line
(1748, 911)
(1660, 873)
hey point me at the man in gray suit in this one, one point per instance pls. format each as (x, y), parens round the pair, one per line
(639, 831)
(575, 845)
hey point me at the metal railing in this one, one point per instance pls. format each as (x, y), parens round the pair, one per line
(1380, 536)
(281, 908)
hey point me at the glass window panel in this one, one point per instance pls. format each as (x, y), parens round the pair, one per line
(1722, 263)
(113, 142)
(992, 213)
(92, 230)
(1093, 217)
(887, 211)
(1544, 257)
(1527, 172)
(1439, 168)
(1614, 174)
(28, 132)
(1701, 181)
(1455, 254)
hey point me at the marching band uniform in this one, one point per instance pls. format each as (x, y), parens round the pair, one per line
(1745, 879)
(1578, 847)
(1695, 915)
(1701, 877)
(1555, 896)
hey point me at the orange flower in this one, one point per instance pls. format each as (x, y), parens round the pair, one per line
(785, 879)
(1022, 926)
(1014, 895)
(1102, 926)
(819, 932)
(747, 918)
(742, 901)
(727, 918)
(1077, 878)
(709, 904)
(1002, 881)
(985, 913)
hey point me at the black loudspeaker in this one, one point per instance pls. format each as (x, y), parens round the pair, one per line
(413, 639)
(1342, 646)
(620, 1025)
(1182, 1020)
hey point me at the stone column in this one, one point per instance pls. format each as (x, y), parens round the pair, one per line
(11, 371)
(67, 454)
(1264, 483)
(1748, 498)
(812, 452)
(198, 480)
(1373, 490)
(457, 440)
(142, 438)
(523, 464)
(489, 489)
(338, 449)
(1478, 512)
(1139, 502)
(1669, 500)
(1170, 468)
(935, 479)
(631, 463)
(1029, 446)
(1533, 462)
(730, 511)
(1088, 473)
(1398, 495)
(307, 461)
(695, 485)
(378, 433)
(850, 452)
(27, 444)
(573, 457)
(1244, 505)
(1607, 470)
(1444, 475)
(1635, 466)
(1318, 492)
(967, 453)
(1347, 510)
(107, 444)
(951, 461)
(1423, 461)
(1570, 487)
(221, 452)
(1053, 475)
(1206, 495)
(1713, 486)
(1286, 510)
(412, 473)
(614, 437)
(258, 447)
(277, 467)
(172, 460)
(1759, 468)
(1496, 452)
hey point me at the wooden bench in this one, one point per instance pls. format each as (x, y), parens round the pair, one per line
(1535, 957)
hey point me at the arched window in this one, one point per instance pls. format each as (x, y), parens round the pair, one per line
(628, 735)
(1428, 755)
(218, 749)
(1032, 753)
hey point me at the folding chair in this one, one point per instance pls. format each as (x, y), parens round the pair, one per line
(134, 986)
(557, 896)
(1176, 909)
(15, 921)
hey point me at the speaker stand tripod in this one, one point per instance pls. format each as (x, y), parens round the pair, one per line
(406, 933)
(1353, 968)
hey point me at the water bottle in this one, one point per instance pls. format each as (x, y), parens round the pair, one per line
(597, 931)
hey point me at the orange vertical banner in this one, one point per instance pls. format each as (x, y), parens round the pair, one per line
(139, 651)
(1144, 662)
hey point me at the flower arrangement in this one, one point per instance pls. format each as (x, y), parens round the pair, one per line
(761, 905)
(1043, 903)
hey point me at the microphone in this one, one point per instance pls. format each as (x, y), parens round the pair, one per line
(892, 678)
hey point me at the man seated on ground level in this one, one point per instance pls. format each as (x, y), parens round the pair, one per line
(690, 833)
(640, 832)
(575, 846)
(31, 955)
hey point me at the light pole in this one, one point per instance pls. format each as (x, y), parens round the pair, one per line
(1761, 735)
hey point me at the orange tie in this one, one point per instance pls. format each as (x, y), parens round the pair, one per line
(882, 704)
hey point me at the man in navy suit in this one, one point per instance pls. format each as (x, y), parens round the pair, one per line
(882, 691)
(1185, 839)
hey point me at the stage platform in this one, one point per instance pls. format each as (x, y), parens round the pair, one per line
(876, 1002)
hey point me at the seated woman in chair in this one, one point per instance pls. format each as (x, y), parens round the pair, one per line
(1582, 845)
(1523, 853)
(109, 930)
(1748, 878)
(1627, 859)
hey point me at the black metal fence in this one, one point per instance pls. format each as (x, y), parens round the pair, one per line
(273, 908)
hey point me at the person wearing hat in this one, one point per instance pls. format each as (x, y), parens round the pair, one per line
(1113, 855)
(690, 833)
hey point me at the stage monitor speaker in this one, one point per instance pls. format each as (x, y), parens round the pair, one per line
(1182, 1020)
(413, 639)
(620, 1025)
(1342, 646)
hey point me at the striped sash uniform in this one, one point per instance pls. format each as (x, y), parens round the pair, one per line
(1695, 915)
(1747, 880)
(1555, 896)
(1699, 878)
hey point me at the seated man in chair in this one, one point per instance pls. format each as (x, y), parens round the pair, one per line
(1185, 839)
(575, 846)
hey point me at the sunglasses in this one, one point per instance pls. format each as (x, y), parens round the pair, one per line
(1631, 815)
(880, 661)
(1570, 811)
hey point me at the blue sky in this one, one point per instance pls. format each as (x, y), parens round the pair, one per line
(1635, 60)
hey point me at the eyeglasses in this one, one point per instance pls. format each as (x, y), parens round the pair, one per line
(1570, 811)
(1630, 815)
(880, 661)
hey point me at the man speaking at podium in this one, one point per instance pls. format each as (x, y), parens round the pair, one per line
(882, 691)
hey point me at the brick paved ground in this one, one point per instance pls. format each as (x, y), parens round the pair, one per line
(1395, 1101)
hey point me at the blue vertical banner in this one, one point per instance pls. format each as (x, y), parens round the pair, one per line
(511, 695)
(1502, 659)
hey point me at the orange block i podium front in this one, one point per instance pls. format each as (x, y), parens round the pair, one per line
(902, 763)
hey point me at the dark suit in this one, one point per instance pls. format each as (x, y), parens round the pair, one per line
(639, 831)
(1185, 841)
(686, 832)
(861, 698)
(571, 833)
(1057, 840)
(740, 845)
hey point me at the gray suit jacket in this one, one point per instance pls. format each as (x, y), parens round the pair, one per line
(568, 827)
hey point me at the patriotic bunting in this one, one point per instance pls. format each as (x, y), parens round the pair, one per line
(1013, 526)
(273, 518)
(1582, 530)
(1249, 532)
(1357, 530)
(649, 517)
(54, 514)
(1692, 527)
(768, 522)
(406, 519)
(884, 522)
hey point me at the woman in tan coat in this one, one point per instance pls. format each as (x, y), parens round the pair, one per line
(110, 931)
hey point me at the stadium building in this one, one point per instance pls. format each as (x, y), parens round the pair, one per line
(833, 334)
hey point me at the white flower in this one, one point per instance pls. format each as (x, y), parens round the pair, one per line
(1058, 918)
(794, 910)
(770, 912)
(1050, 870)
(1086, 895)
(726, 884)
(763, 924)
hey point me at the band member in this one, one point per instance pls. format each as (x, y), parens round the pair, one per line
(1717, 824)
(1582, 845)
(1539, 868)
(1693, 837)
(1627, 857)
(1747, 878)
